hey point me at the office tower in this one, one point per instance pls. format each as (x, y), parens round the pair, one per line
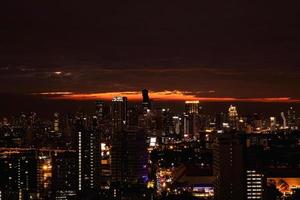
(33, 119)
(105, 165)
(67, 130)
(18, 172)
(255, 184)
(232, 113)
(272, 123)
(221, 121)
(257, 122)
(100, 110)
(64, 175)
(191, 120)
(233, 117)
(133, 116)
(291, 118)
(146, 104)
(284, 121)
(228, 167)
(88, 154)
(176, 125)
(44, 174)
(119, 113)
(186, 126)
(128, 160)
(191, 126)
(192, 107)
(56, 122)
(167, 122)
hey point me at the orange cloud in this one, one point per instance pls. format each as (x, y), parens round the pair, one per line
(166, 95)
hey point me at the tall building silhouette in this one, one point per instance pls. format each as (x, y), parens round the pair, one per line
(119, 113)
(228, 167)
(146, 104)
(100, 110)
(88, 148)
(64, 175)
(19, 175)
(128, 159)
(291, 118)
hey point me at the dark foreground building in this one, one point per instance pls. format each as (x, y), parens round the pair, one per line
(128, 160)
(228, 167)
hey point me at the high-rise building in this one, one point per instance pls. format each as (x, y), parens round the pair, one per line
(129, 156)
(19, 175)
(272, 123)
(257, 122)
(56, 125)
(133, 116)
(233, 117)
(221, 121)
(228, 167)
(191, 120)
(191, 126)
(119, 113)
(232, 112)
(176, 125)
(291, 118)
(89, 155)
(186, 126)
(146, 104)
(255, 184)
(99, 110)
(64, 175)
(284, 121)
(167, 122)
(192, 107)
(44, 174)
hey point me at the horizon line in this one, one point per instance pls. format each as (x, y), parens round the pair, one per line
(166, 95)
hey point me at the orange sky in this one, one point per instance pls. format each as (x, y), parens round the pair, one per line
(159, 96)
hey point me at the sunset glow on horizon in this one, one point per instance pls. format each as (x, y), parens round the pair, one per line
(166, 95)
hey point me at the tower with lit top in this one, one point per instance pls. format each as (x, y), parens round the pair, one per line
(119, 113)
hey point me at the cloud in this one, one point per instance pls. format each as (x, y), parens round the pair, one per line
(166, 95)
(239, 82)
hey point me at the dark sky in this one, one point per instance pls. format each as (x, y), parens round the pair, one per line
(237, 48)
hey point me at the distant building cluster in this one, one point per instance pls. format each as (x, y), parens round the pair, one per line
(139, 151)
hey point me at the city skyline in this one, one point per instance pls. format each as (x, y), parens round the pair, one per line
(193, 100)
(125, 150)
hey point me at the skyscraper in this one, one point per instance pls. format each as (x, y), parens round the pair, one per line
(119, 113)
(64, 175)
(232, 112)
(128, 159)
(192, 107)
(146, 104)
(192, 118)
(56, 125)
(291, 118)
(88, 154)
(18, 174)
(284, 121)
(129, 156)
(233, 117)
(228, 167)
(272, 123)
(100, 110)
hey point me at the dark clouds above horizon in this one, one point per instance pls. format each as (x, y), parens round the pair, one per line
(235, 48)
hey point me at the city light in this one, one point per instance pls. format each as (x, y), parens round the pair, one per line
(158, 150)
